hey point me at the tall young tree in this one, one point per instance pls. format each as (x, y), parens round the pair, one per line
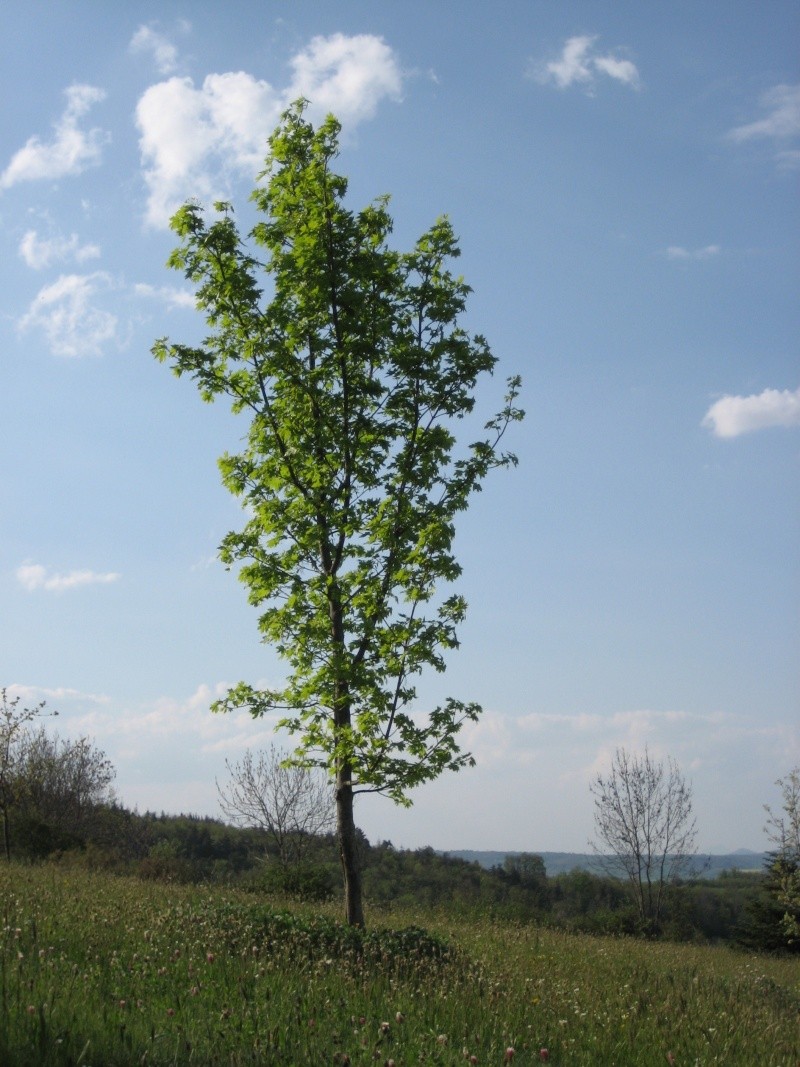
(353, 374)
(645, 826)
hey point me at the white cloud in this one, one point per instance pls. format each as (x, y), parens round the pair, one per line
(194, 140)
(187, 722)
(782, 121)
(72, 149)
(346, 75)
(167, 294)
(572, 66)
(731, 416)
(191, 139)
(165, 54)
(578, 65)
(39, 252)
(707, 252)
(622, 70)
(33, 576)
(65, 312)
(504, 739)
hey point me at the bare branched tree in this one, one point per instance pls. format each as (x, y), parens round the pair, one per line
(645, 826)
(291, 804)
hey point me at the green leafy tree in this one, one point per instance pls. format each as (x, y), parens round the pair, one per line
(526, 869)
(353, 374)
(783, 830)
(14, 725)
(62, 784)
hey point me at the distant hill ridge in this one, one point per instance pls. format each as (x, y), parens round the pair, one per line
(561, 862)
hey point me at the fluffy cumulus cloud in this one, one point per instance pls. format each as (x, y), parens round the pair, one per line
(346, 75)
(33, 576)
(66, 312)
(194, 139)
(39, 252)
(71, 150)
(731, 416)
(580, 64)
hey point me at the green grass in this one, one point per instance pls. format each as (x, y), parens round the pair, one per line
(104, 971)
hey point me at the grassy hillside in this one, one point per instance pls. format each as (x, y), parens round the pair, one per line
(101, 970)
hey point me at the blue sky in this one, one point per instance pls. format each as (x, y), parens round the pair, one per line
(623, 179)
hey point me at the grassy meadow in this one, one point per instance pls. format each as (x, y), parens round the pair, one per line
(99, 970)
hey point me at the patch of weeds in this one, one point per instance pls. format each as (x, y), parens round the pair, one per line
(285, 935)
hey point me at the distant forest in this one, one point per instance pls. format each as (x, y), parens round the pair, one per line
(704, 866)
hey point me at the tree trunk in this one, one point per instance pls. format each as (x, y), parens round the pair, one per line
(348, 849)
(345, 823)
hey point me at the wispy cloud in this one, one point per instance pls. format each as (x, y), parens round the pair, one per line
(193, 140)
(621, 70)
(780, 123)
(178, 720)
(707, 252)
(33, 694)
(163, 51)
(33, 576)
(519, 739)
(731, 416)
(66, 313)
(39, 252)
(782, 104)
(70, 151)
(579, 64)
(166, 294)
(573, 748)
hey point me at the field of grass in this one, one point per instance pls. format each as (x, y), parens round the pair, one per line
(109, 972)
